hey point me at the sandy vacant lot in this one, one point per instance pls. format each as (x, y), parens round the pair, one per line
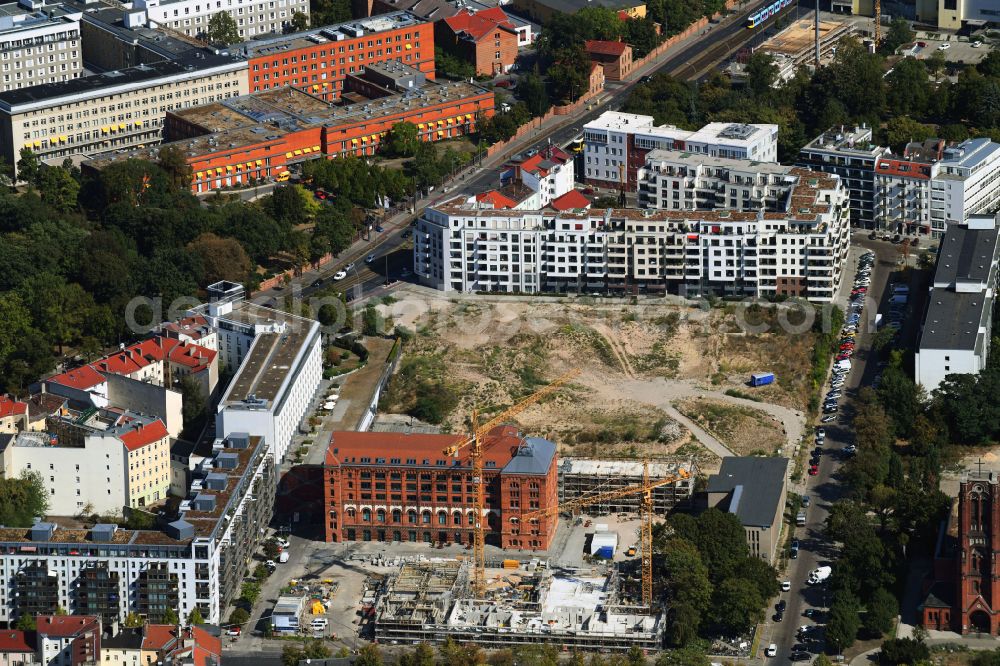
(635, 363)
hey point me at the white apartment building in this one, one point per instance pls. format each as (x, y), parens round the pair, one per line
(105, 459)
(928, 189)
(114, 110)
(616, 144)
(39, 46)
(957, 330)
(198, 561)
(798, 251)
(279, 365)
(676, 180)
(191, 17)
(549, 173)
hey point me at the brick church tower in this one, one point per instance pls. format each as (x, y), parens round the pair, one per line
(977, 598)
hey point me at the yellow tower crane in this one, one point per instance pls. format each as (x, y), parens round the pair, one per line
(878, 23)
(646, 517)
(475, 442)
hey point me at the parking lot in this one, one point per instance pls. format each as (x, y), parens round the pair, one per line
(955, 49)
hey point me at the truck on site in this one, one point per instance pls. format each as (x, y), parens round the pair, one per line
(819, 574)
(761, 378)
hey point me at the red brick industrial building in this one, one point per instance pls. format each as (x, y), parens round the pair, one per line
(319, 60)
(963, 592)
(614, 57)
(486, 38)
(384, 486)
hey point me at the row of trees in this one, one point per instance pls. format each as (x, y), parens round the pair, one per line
(714, 584)
(913, 101)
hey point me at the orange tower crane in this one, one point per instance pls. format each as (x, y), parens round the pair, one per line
(475, 442)
(645, 511)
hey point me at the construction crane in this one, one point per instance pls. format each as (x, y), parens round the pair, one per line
(475, 442)
(645, 515)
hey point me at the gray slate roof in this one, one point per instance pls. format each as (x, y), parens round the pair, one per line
(754, 485)
(535, 457)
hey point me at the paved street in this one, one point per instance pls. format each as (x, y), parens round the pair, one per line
(824, 489)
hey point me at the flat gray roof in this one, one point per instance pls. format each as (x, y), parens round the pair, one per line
(953, 320)
(754, 485)
(965, 255)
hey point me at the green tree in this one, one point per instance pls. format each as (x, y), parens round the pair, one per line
(902, 129)
(369, 655)
(882, 609)
(250, 591)
(26, 622)
(422, 655)
(195, 617)
(222, 29)
(28, 166)
(327, 12)
(899, 33)
(911, 651)
(635, 657)
(221, 258)
(451, 66)
(170, 617)
(761, 73)
(291, 655)
(843, 623)
(686, 580)
(691, 655)
(737, 605)
(239, 616)
(402, 140)
(271, 550)
(133, 621)
(173, 161)
(531, 88)
(372, 322)
(883, 338)
(909, 91)
(60, 611)
(58, 188)
(299, 22)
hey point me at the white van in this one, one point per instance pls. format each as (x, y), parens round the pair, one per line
(283, 556)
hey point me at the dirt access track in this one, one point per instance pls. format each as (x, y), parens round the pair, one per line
(636, 363)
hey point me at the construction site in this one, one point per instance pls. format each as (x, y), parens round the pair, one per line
(593, 609)
(581, 477)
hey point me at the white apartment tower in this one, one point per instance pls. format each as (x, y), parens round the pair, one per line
(191, 17)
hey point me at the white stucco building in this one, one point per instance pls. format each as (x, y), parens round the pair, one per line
(957, 329)
(39, 46)
(616, 144)
(191, 17)
(278, 360)
(798, 250)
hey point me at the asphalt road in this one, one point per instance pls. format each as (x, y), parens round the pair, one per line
(826, 488)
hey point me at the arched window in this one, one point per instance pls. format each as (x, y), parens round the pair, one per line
(380, 515)
(442, 518)
(397, 516)
(456, 518)
(425, 517)
(366, 516)
(411, 517)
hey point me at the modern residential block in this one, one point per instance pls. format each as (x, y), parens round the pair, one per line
(848, 152)
(798, 250)
(191, 17)
(957, 329)
(616, 145)
(199, 560)
(386, 486)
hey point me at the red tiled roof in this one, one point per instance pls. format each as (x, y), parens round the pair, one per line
(140, 436)
(14, 641)
(65, 626)
(498, 200)
(193, 356)
(207, 648)
(11, 407)
(549, 154)
(158, 636)
(194, 327)
(82, 378)
(478, 25)
(605, 47)
(500, 445)
(903, 168)
(571, 200)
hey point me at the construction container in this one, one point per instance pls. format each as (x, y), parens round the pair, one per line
(511, 564)
(761, 378)
(604, 544)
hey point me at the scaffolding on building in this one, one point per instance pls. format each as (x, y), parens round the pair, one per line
(580, 477)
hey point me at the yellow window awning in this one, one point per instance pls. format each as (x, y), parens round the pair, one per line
(307, 150)
(315, 149)
(218, 172)
(121, 126)
(260, 162)
(104, 129)
(451, 121)
(440, 133)
(298, 152)
(374, 137)
(37, 144)
(63, 139)
(198, 175)
(468, 116)
(409, 46)
(138, 124)
(229, 168)
(354, 140)
(249, 165)
(288, 155)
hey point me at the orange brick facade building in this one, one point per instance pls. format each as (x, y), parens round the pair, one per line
(486, 38)
(614, 57)
(383, 486)
(320, 59)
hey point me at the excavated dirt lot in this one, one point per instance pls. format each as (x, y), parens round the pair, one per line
(636, 362)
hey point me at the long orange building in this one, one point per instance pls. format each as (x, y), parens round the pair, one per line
(320, 60)
(385, 486)
(261, 136)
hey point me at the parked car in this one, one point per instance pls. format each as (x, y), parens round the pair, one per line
(814, 470)
(800, 656)
(944, 47)
(780, 606)
(233, 630)
(786, 585)
(828, 419)
(340, 275)
(771, 651)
